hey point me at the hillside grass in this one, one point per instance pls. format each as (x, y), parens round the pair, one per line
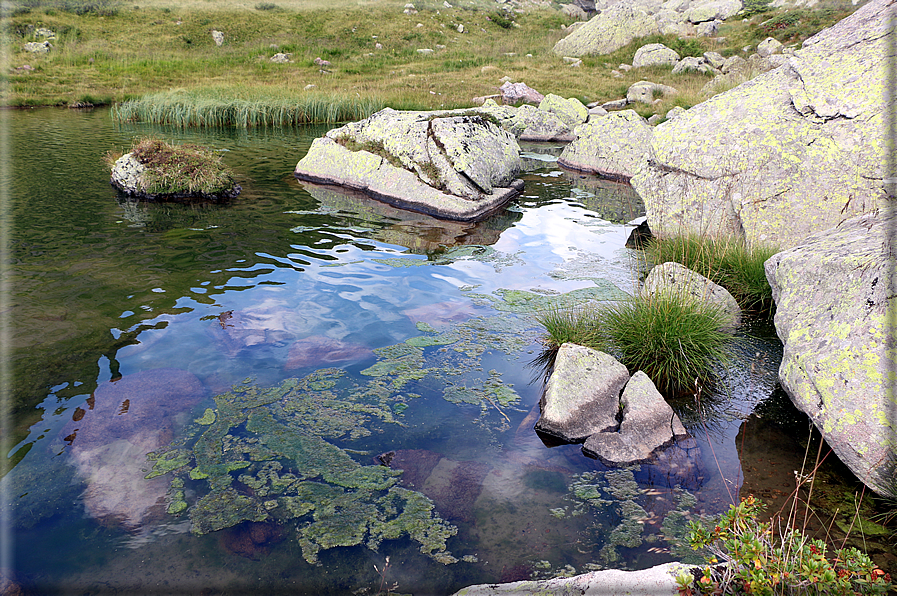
(124, 51)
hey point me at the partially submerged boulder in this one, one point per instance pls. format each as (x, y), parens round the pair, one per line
(529, 123)
(682, 281)
(155, 170)
(648, 423)
(795, 150)
(833, 301)
(453, 165)
(571, 111)
(590, 397)
(612, 146)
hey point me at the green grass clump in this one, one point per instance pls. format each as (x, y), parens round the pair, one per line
(180, 169)
(674, 339)
(730, 263)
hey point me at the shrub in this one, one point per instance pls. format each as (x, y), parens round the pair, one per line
(755, 7)
(748, 556)
(728, 262)
(674, 339)
(501, 18)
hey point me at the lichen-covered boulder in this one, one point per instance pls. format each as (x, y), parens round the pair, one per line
(582, 396)
(833, 303)
(682, 281)
(654, 54)
(459, 166)
(608, 31)
(793, 151)
(529, 123)
(612, 146)
(713, 10)
(648, 424)
(570, 111)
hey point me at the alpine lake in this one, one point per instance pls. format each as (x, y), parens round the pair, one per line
(302, 392)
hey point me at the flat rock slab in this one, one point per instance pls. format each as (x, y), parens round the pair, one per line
(449, 165)
(656, 581)
(612, 146)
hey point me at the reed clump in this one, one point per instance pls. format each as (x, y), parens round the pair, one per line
(181, 169)
(235, 108)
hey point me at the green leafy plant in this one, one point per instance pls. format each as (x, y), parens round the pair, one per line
(755, 7)
(747, 556)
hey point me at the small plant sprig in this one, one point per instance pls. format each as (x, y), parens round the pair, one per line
(382, 573)
(748, 557)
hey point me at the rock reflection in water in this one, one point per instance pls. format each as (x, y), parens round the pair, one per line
(109, 437)
(418, 232)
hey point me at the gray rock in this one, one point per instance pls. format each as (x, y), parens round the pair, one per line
(574, 12)
(713, 10)
(612, 146)
(656, 581)
(570, 111)
(44, 32)
(708, 28)
(582, 395)
(675, 112)
(646, 92)
(615, 104)
(608, 31)
(654, 54)
(793, 151)
(127, 172)
(529, 123)
(425, 51)
(692, 64)
(450, 165)
(768, 47)
(832, 297)
(648, 424)
(680, 281)
(218, 37)
(714, 59)
(38, 47)
(281, 58)
(732, 63)
(595, 113)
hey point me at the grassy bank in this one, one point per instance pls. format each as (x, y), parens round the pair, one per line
(122, 51)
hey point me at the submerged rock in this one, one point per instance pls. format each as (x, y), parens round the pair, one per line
(833, 302)
(110, 436)
(449, 165)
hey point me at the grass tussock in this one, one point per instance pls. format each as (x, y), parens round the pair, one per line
(730, 263)
(181, 169)
(675, 340)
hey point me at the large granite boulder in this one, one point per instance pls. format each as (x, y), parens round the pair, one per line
(833, 300)
(608, 31)
(452, 165)
(682, 281)
(612, 146)
(571, 111)
(648, 424)
(793, 151)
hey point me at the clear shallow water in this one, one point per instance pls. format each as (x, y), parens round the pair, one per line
(404, 334)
